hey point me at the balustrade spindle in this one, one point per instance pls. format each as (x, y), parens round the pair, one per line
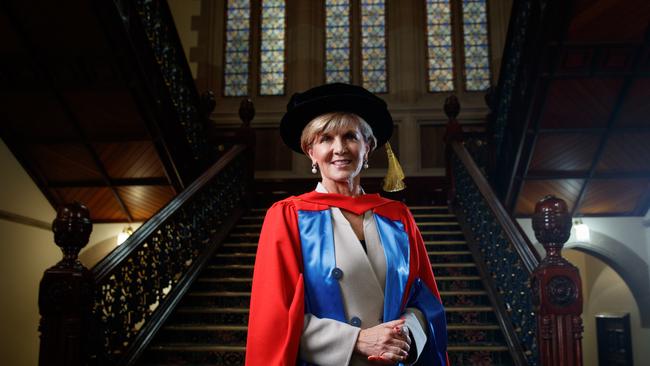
(557, 288)
(65, 298)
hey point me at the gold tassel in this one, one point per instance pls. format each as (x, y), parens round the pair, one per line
(394, 179)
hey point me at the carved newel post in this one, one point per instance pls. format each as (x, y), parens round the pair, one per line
(557, 289)
(65, 296)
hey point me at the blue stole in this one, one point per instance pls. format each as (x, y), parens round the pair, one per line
(323, 294)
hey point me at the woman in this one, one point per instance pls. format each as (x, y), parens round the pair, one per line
(342, 277)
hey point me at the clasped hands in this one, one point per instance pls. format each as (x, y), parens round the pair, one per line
(387, 343)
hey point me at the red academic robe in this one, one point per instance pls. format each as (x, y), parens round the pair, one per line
(278, 300)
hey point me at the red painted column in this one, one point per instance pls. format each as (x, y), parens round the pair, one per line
(557, 289)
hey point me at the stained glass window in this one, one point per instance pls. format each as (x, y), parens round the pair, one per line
(373, 45)
(272, 49)
(237, 48)
(440, 50)
(475, 36)
(337, 41)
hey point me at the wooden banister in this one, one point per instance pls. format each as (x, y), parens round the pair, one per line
(109, 314)
(540, 319)
(513, 231)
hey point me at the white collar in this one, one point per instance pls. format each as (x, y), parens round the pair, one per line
(320, 188)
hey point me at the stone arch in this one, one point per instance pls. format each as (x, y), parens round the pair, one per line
(632, 269)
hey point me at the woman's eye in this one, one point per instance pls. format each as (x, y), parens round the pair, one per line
(324, 138)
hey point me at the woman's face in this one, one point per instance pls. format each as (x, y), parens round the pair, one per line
(339, 153)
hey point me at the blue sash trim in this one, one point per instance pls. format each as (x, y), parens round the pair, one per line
(396, 249)
(322, 292)
(435, 350)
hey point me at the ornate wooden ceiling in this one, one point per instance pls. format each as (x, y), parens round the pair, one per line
(74, 117)
(588, 130)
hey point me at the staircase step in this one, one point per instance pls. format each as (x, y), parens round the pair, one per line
(228, 270)
(238, 248)
(228, 284)
(474, 334)
(210, 315)
(234, 258)
(210, 324)
(441, 232)
(435, 207)
(192, 347)
(455, 327)
(218, 298)
(465, 297)
(477, 348)
(438, 215)
(226, 335)
(454, 269)
(443, 265)
(459, 256)
(445, 242)
(195, 354)
(450, 252)
(249, 226)
(458, 278)
(457, 283)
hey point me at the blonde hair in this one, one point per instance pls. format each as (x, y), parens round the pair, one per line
(333, 121)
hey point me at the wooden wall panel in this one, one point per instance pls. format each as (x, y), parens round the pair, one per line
(37, 115)
(270, 152)
(564, 152)
(144, 201)
(578, 103)
(107, 114)
(608, 21)
(534, 190)
(101, 202)
(635, 111)
(613, 197)
(432, 147)
(130, 159)
(64, 163)
(626, 152)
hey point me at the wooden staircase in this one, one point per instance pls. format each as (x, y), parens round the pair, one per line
(209, 326)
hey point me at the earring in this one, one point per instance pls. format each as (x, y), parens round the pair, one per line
(313, 168)
(365, 164)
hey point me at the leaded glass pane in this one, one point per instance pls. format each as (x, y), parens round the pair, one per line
(272, 50)
(373, 45)
(337, 41)
(440, 50)
(475, 36)
(237, 48)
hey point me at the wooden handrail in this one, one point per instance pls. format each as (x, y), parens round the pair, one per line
(552, 298)
(118, 307)
(104, 267)
(513, 231)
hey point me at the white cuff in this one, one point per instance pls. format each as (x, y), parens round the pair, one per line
(416, 324)
(327, 342)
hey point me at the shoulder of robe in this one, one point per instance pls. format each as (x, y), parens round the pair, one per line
(393, 210)
(302, 205)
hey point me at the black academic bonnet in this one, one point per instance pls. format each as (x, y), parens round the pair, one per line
(337, 97)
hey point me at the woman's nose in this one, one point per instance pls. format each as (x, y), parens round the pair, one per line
(339, 146)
